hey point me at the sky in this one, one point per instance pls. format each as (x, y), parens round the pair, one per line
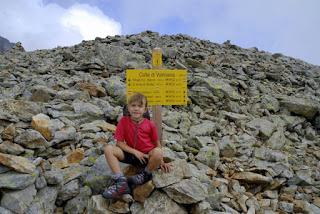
(290, 27)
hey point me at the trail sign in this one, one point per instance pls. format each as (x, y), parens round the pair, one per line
(161, 87)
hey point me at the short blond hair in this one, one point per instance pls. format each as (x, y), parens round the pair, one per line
(139, 98)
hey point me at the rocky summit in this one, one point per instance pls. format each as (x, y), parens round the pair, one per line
(247, 142)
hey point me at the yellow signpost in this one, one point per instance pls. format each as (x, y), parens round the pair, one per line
(161, 87)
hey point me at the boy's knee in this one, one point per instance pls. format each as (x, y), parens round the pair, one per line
(157, 153)
(108, 149)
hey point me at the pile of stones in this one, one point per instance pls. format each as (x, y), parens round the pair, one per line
(247, 142)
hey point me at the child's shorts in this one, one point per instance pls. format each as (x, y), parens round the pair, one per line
(131, 159)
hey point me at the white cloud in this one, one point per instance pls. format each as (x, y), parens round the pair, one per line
(40, 26)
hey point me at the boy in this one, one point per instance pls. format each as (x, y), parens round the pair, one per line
(137, 144)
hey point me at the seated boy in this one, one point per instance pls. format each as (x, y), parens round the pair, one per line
(137, 144)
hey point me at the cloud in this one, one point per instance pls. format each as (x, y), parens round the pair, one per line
(38, 25)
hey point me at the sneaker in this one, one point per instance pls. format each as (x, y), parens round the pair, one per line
(117, 190)
(140, 178)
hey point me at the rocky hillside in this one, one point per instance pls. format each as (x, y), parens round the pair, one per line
(5, 45)
(247, 142)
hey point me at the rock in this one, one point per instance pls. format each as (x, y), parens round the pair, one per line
(11, 148)
(221, 88)
(9, 132)
(161, 179)
(19, 164)
(227, 147)
(92, 110)
(54, 177)
(99, 176)
(209, 155)
(286, 207)
(119, 207)
(251, 177)
(264, 127)
(45, 126)
(75, 156)
(158, 203)
(15, 110)
(187, 191)
(69, 190)
(98, 205)
(93, 89)
(32, 139)
(270, 103)
(300, 106)
(205, 128)
(202, 207)
(16, 181)
(172, 119)
(115, 88)
(142, 192)
(72, 95)
(277, 140)
(79, 203)
(65, 134)
(5, 211)
(18, 201)
(44, 201)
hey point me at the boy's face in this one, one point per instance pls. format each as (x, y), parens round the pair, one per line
(137, 110)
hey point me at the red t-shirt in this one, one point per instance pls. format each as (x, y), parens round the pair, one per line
(140, 136)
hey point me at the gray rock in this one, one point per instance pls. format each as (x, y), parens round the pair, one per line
(300, 106)
(264, 127)
(99, 176)
(72, 95)
(221, 88)
(172, 119)
(18, 201)
(270, 103)
(98, 205)
(158, 203)
(209, 155)
(15, 110)
(277, 140)
(87, 108)
(69, 190)
(161, 179)
(205, 128)
(116, 89)
(66, 133)
(11, 148)
(32, 139)
(5, 211)
(16, 181)
(78, 203)
(40, 182)
(227, 147)
(187, 191)
(270, 155)
(286, 207)
(44, 202)
(54, 177)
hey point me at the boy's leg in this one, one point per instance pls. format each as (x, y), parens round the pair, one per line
(155, 158)
(113, 154)
(154, 161)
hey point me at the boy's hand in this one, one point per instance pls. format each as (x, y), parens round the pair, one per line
(165, 167)
(141, 156)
